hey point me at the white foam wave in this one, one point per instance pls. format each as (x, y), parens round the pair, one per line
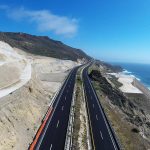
(135, 77)
(126, 71)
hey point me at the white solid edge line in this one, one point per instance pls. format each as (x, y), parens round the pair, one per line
(87, 125)
(42, 136)
(96, 117)
(69, 126)
(102, 114)
(57, 124)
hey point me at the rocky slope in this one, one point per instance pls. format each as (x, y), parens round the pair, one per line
(108, 67)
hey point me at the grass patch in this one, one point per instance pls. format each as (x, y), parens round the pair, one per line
(115, 81)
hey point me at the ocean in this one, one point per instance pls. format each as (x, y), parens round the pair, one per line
(140, 71)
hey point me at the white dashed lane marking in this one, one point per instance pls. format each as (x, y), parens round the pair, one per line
(96, 117)
(51, 147)
(101, 135)
(57, 124)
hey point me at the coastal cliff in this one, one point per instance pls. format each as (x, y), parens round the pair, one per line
(143, 88)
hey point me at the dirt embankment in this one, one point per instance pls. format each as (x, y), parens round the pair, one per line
(21, 111)
(20, 115)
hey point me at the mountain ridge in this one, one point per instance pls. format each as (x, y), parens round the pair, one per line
(42, 45)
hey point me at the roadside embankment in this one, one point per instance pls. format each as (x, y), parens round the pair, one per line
(22, 110)
(141, 87)
(128, 116)
(15, 70)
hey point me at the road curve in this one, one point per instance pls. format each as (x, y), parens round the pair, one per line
(54, 133)
(102, 136)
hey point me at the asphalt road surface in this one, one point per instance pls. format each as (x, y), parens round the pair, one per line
(54, 134)
(101, 135)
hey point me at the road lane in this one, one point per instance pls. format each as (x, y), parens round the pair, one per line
(54, 134)
(101, 135)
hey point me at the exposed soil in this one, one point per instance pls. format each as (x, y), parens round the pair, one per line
(80, 120)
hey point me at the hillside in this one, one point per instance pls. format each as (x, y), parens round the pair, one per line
(27, 86)
(128, 113)
(109, 67)
(42, 45)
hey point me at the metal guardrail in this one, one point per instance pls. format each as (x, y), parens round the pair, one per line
(117, 142)
(68, 142)
(69, 135)
(87, 120)
(50, 105)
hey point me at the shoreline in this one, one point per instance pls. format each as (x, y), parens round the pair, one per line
(129, 73)
(126, 72)
(139, 71)
(128, 81)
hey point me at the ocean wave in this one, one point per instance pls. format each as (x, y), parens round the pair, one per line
(135, 77)
(138, 79)
(127, 72)
(137, 71)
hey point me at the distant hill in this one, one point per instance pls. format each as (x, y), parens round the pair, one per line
(109, 67)
(42, 45)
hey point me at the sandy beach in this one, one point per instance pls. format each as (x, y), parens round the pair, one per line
(127, 83)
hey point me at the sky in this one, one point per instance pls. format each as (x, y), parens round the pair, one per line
(109, 30)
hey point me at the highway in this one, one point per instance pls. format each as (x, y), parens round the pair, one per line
(54, 133)
(102, 137)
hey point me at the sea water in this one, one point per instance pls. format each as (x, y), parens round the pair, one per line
(140, 71)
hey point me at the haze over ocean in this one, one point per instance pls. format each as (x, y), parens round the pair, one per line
(140, 71)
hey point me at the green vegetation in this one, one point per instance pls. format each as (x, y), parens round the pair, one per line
(42, 45)
(79, 128)
(115, 81)
(115, 112)
(135, 130)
